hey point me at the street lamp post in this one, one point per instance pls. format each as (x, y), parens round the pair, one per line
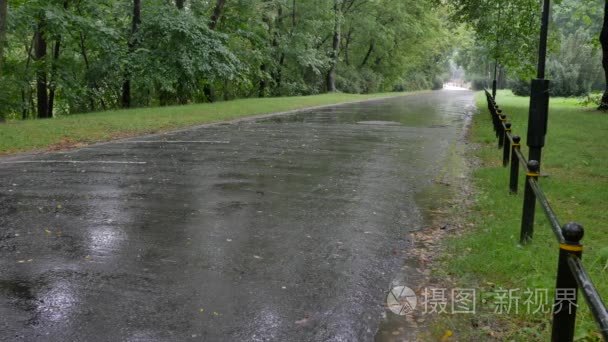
(494, 82)
(537, 118)
(539, 94)
(497, 52)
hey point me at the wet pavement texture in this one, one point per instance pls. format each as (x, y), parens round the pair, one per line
(289, 228)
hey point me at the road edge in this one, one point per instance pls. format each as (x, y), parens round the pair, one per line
(25, 154)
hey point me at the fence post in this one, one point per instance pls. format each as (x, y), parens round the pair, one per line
(527, 219)
(506, 145)
(494, 112)
(497, 115)
(566, 287)
(501, 130)
(514, 179)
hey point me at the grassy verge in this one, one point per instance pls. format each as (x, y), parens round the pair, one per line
(18, 136)
(488, 257)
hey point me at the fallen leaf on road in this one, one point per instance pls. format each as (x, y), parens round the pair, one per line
(446, 336)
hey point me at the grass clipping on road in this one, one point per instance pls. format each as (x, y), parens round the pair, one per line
(80, 129)
(489, 258)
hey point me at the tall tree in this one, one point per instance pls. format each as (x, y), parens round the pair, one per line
(216, 15)
(604, 42)
(335, 49)
(3, 20)
(173, 51)
(56, 52)
(135, 22)
(279, 74)
(40, 47)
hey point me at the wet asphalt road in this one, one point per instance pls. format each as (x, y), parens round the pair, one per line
(288, 228)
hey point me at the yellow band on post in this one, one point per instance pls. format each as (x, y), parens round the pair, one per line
(571, 248)
(532, 174)
(516, 145)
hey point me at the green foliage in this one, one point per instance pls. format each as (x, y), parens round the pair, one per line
(506, 32)
(575, 68)
(183, 53)
(593, 99)
(478, 82)
(520, 87)
(257, 48)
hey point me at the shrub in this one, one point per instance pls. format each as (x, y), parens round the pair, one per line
(594, 99)
(520, 87)
(478, 82)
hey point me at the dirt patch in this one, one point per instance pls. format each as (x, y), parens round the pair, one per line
(65, 143)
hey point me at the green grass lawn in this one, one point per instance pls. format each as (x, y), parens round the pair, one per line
(488, 256)
(18, 136)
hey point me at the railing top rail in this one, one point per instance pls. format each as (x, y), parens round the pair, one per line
(592, 297)
(556, 227)
(589, 291)
(522, 160)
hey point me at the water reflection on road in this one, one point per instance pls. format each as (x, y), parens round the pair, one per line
(287, 228)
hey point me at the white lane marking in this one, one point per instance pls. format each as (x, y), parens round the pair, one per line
(72, 162)
(175, 142)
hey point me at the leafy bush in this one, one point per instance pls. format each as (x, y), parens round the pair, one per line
(520, 87)
(575, 68)
(437, 83)
(351, 80)
(478, 82)
(594, 99)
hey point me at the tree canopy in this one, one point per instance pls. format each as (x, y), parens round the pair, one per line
(71, 56)
(506, 33)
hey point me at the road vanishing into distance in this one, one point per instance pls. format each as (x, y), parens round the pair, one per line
(285, 228)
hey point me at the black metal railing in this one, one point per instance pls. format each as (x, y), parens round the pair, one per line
(571, 274)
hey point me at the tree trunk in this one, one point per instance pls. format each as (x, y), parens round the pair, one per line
(3, 18)
(331, 73)
(279, 73)
(25, 105)
(604, 42)
(348, 38)
(372, 45)
(262, 88)
(274, 30)
(42, 99)
(180, 4)
(85, 58)
(217, 14)
(215, 19)
(136, 21)
(53, 83)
